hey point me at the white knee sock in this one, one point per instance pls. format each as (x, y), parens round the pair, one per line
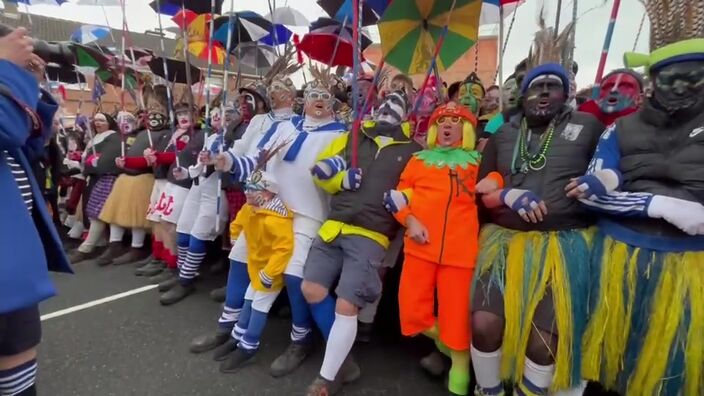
(340, 341)
(539, 376)
(117, 233)
(576, 391)
(76, 230)
(95, 232)
(70, 220)
(487, 366)
(138, 236)
(368, 313)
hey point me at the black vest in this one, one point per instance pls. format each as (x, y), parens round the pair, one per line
(573, 144)
(661, 157)
(381, 170)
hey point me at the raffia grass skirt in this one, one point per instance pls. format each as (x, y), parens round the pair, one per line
(128, 202)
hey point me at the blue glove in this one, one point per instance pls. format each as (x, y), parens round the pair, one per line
(352, 180)
(329, 167)
(598, 184)
(395, 201)
(525, 203)
(265, 279)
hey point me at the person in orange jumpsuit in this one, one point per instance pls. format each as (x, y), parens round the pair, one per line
(435, 201)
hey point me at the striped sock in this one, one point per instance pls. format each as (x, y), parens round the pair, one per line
(182, 241)
(243, 321)
(194, 256)
(229, 317)
(536, 379)
(237, 332)
(299, 334)
(250, 339)
(18, 379)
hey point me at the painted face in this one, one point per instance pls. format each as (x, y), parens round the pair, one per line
(618, 92)
(183, 119)
(393, 109)
(680, 86)
(509, 98)
(248, 104)
(490, 103)
(72, 144)
(216, 119)
(544, 99)
(157, 121)
(364, 87)
(127, 123)
(470, 96)
(449, 131)
(280, 94)
(100, 123)
(318, 103)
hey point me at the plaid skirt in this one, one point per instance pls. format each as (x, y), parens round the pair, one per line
(235, 201)
(99, 195)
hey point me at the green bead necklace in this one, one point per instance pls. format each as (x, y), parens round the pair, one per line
(537, 161)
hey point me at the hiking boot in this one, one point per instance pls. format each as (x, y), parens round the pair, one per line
(218, 295)
(164, 276)
(132, 255)
(434, 363)
(210, 341)
(168, 284)
(224, 350)
(154, 267)
(364, 332)
(236, 360)
(115, 249)
(176, 294)
(323, 387)
(290, 360)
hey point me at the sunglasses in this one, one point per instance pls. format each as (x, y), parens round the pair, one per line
(452, 120)
(319, 96)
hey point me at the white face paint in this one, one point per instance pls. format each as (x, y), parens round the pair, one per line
(101, 123)
(126, 122)
(318, 103)
(183, 118)
(393, 109)
(215, 119)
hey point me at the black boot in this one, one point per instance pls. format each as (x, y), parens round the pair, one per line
(208, 342)
(168, 284)
(133, 255)
(223, 351)
(176, 294)
(218, 295)
(114, 250)
(290, 360)
(153, 268)
(77, 256)
(236, 360)
(145, 261)
(164, 276)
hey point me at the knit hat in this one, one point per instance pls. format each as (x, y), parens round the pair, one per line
(546, 69)
(452, 109)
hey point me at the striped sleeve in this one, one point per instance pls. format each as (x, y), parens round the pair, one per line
(608, 153)
(22, 181)
(620, 203)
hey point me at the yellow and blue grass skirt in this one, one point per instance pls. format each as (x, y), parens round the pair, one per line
(646, 332)
(525, 266)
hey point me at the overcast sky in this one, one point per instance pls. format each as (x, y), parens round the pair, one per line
(591, 26)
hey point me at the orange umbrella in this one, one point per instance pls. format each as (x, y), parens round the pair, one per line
(183, 18)
(199, 27)
(200, 50)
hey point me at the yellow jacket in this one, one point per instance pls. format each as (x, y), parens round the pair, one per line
(269, 233)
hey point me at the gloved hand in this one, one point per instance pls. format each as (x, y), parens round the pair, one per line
(688, 216)
(265, 279)
(92, 160)
(205, 158)
(395, 201)
(329, 167)
(194, 171)
(72, 164)
(593, 185)
(180, 173)
(352, 180)
(528, 205)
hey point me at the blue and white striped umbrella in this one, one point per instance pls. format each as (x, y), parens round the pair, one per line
(38, 2)
(89, 33)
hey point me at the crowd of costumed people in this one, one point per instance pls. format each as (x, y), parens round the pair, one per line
(545, 237)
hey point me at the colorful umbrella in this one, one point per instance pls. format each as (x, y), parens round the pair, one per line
(114, 77)
(176, 68)
(288, 16)
(172, 7)
(183, 18)
(106, 3)
(343, 10)
(198, 28)
(86, 56)
(200, 50)
(89, 33)
(328, 48)
(411, 29)
(247, 26)
(64, 74)
(280, 35)
(344, 30)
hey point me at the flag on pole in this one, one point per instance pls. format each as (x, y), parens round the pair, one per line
(490, 10)
(98, 91)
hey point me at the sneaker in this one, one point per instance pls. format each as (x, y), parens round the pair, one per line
(323, 387)
(290, 360)
(236, 360)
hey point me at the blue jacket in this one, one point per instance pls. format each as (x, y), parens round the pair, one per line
(29, 244)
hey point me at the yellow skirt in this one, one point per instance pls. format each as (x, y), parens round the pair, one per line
(128, 202)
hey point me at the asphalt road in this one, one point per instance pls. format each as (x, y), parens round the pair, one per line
(134, 346)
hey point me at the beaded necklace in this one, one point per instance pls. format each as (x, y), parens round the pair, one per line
(537, 161)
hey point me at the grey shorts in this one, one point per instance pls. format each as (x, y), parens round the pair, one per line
(355, 260)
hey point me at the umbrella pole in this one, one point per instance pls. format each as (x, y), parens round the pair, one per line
(607, 42)
(557, 19)
(501, 56)
(337, 43)
(165, 66)
(189, 79)
(210, 72)
(356, 47)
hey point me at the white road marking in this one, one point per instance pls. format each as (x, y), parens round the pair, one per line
(94, 303)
